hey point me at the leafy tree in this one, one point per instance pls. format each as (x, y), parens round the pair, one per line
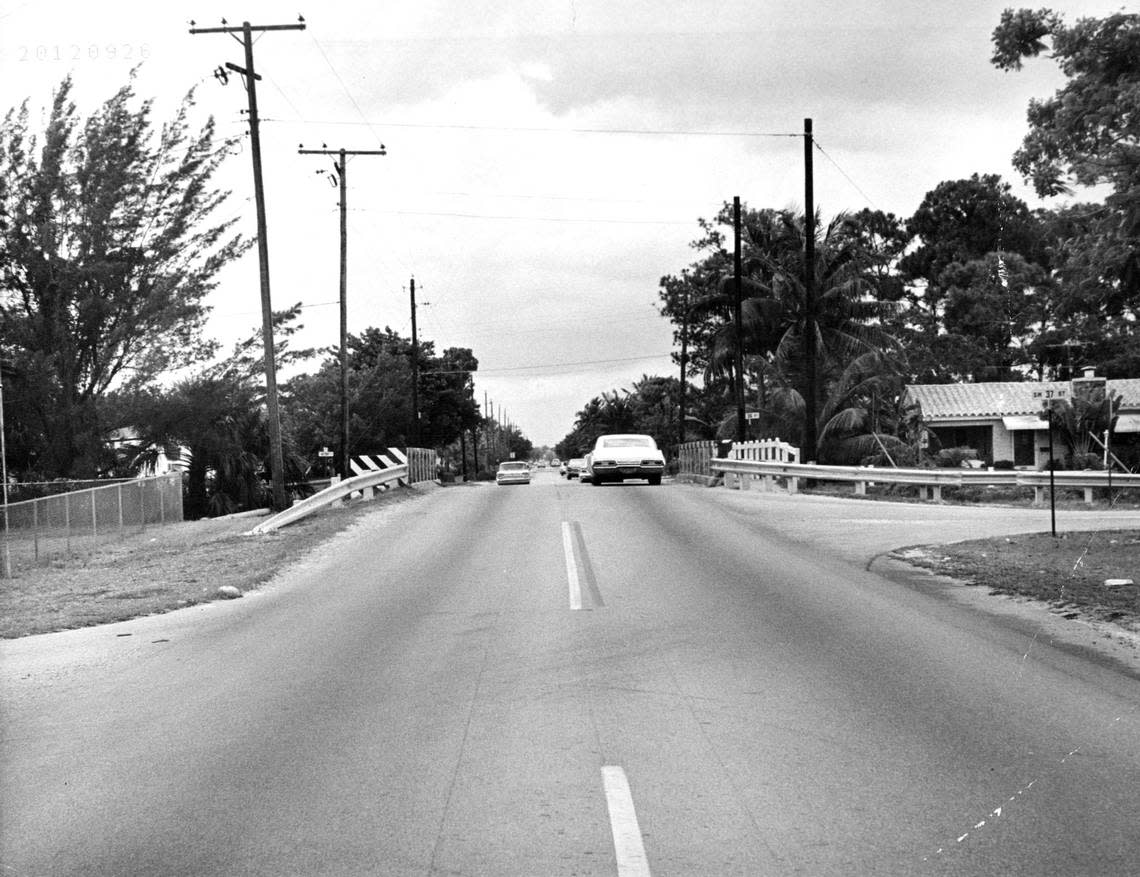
(977, 279)
(110, 241)
(1087, 134)
(219, 415)
(380, 393)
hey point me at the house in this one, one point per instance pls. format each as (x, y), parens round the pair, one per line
(152, 459)
(1002, 421)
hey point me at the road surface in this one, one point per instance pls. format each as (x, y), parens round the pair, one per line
(558, 679)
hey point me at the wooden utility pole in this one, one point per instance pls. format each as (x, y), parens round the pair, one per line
(738, 318)
(341, 168)
(415, 371)
(684, 362)
(807, 453)
(276, 454)
(6, 570)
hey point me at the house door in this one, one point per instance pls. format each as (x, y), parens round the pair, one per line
(1025, 447)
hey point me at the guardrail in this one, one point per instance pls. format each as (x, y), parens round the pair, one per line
(741, 473)
(365, 484)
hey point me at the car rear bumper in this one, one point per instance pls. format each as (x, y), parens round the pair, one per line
(619, 471)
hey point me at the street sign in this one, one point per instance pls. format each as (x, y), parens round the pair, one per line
(324, 452)
(752, 415)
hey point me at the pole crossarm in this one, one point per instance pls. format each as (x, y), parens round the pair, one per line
(252, 27)
(383, 150)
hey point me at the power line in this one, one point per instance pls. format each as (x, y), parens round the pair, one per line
(347, 93)
(550, 129)
(514, 218)
(549, 365)
(844, 174)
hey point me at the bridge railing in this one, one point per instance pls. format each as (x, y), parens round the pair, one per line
(930, 482)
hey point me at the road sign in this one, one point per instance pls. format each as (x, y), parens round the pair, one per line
(752, 415)
(324, 452)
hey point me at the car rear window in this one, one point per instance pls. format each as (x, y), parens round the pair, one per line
(629, 442)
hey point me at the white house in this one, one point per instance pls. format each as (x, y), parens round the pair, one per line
(1002, 421)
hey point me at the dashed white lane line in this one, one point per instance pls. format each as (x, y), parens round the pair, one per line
(571, 567)
(628, 846)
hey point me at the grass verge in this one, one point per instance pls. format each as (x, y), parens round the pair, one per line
(1067, 572)
(163, 569)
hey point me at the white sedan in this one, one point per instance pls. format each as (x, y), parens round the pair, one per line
(618, 457)
(513, 472)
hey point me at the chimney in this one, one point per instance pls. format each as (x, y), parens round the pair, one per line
(1089, 384)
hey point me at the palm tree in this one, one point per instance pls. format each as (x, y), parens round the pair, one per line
(846, 319)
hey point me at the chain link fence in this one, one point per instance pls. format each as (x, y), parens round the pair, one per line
(37, 530)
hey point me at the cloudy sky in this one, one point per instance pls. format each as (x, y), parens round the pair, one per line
(547, 161)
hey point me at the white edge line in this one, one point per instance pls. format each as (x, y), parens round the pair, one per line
(628, 846)
(571, 568)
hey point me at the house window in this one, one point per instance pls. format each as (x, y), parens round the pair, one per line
(1025, 447)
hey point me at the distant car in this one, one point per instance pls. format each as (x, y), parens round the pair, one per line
(513, 472)
(562, 469)
(584, 472)
(574, 467)
(618, 457)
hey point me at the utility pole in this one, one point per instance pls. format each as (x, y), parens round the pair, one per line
(808, 454)
(7, 561)
(415, 371)
(341, 169)
(276, 454)
(738, 319)
(684, 363)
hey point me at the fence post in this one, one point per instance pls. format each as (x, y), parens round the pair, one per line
(94, 523)
(142, 505)
(119, 495)
(36, 528)
(161, 500)
(67, 521)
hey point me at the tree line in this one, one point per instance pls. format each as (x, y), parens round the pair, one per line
(112, 234)
(974, 286)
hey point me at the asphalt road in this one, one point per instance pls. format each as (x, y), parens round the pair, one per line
(564, 680)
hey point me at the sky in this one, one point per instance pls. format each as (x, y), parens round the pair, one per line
(547, 162)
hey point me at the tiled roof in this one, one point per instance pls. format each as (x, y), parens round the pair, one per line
(1005, 399)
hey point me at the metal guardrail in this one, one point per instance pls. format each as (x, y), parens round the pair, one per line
(740, 473)
(365, 484)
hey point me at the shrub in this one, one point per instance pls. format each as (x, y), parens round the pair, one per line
(954, 457)
(1087, 461)
(1003, 464)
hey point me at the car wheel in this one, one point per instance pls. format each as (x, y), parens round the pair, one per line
(654, 479)
(597, 482)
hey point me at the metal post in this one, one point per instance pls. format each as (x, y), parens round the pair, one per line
(1052, 481)
(94, 524)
